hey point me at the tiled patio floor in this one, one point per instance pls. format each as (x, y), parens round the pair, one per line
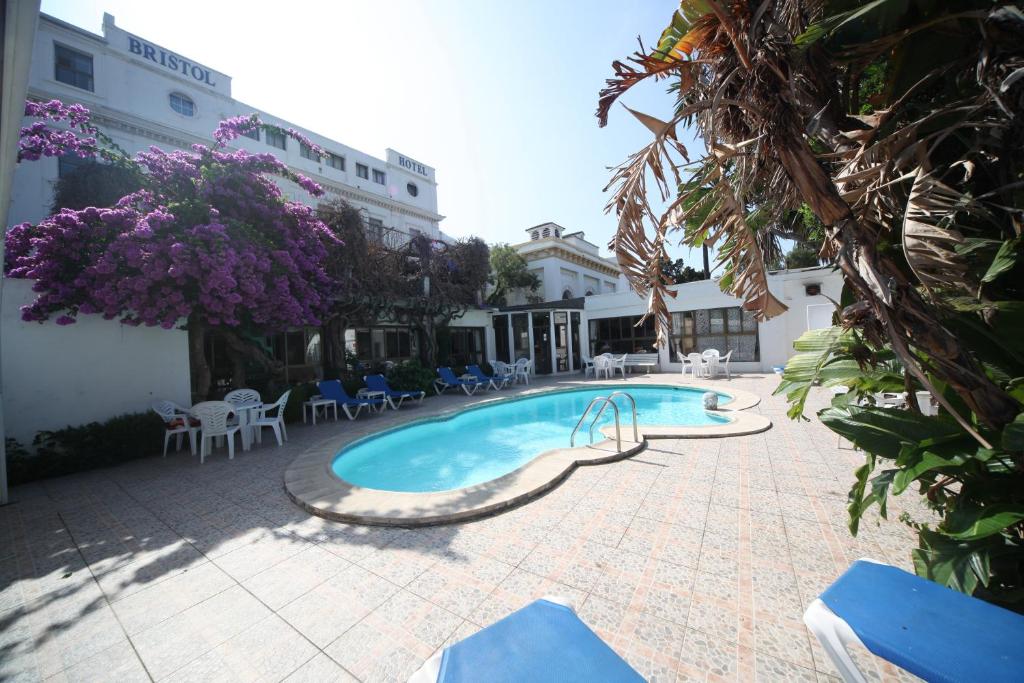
(694, 560)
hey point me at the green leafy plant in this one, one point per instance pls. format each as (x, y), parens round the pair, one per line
(411, 376)
(889, 133)
(86, 447)
(973, 482)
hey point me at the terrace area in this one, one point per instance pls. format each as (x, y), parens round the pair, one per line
(693, 559)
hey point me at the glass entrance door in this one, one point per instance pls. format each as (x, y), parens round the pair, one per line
(561, 319)
(542, 343)
(574, 326)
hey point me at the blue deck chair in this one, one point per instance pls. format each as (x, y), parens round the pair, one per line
(927, 629)
(332, 389)
(379, 383)
(446, 379)
(493, 382)
(544, 641)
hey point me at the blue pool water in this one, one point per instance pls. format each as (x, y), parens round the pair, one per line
(482, 444)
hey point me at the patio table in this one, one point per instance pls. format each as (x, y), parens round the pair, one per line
(244, 413)
(317, 402)
(367, 393)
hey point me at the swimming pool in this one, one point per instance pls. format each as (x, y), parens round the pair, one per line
(484, 443)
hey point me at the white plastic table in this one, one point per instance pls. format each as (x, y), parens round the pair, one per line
(316, 403)
(367, 393)
(244, 413)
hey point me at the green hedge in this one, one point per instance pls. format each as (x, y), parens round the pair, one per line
(86, 447)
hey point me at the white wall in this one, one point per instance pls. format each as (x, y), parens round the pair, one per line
(55, 376)
(776, 336)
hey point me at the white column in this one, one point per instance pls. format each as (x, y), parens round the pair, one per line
(551, 345)
(529, 332)
(568, 339)
(511, 340)
(21, 18)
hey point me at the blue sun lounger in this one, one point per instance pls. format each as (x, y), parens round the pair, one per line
(927, 629)
(492, 382)
(331, 389)
(446, 379)
(379, 383)
(544, 641)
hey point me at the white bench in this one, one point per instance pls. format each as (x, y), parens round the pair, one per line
(646, 360)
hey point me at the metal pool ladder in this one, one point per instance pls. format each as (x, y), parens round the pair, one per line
(605, 401)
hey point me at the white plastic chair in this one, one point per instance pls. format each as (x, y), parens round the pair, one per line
(697, 363)
(710, 359)
(523, 367)
(503, 370)
(602, 366)
(588, 366)
(275, 422)
(619, 363)
(242, 396)
(723, 364)
(213, 419)
(690, 364)
(177, 422)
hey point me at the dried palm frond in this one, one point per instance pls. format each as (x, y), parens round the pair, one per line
(930, 235)
(638, 255)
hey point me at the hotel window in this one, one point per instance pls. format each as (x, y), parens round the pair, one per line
(379, 344)
(363, 171)
(276, 138)
(69, 163)
(412, 190)
(621, 335)
(375, 229)
(254, 134)
(182, 104)
(724, 329)
(335, 161)
(300, 351)
(72, 67)
(307, 152)
(379, 177)
(467, 345)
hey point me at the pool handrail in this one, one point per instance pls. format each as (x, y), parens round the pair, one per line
(611, 397)
(604, 400)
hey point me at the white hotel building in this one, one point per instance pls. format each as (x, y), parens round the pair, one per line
(143, 94)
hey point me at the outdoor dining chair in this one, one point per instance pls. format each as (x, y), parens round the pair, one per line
(723, 364)
(245, 402)
(603, 366)
(213, 421)
(697, 364)
(523, 367)
(275, 421)
(619, 363)
(588, 366)
(690, 364)
(177, 422)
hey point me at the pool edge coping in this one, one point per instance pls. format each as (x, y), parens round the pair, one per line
(312, 485)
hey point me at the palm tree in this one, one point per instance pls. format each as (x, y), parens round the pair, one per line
(898, 126)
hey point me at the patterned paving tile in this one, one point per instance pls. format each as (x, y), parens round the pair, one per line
(694, 561)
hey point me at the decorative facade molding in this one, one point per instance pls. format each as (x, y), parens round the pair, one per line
(105, 118)
(573, 257)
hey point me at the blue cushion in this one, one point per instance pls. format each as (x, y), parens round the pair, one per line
(929, 630)
(543, 641)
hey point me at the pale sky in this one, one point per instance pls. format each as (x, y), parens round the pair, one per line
(498, 96)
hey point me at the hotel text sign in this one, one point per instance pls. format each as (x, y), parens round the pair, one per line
(170, 61)
(414, 166)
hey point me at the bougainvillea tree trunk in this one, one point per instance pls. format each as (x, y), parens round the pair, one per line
(197, 358)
